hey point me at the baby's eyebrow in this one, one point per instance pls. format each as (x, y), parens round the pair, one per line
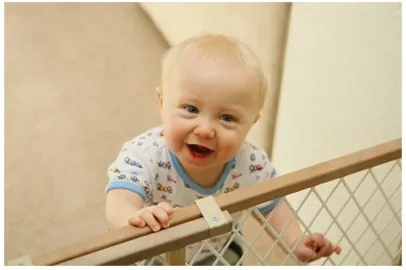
(189, 101)
(233, 108)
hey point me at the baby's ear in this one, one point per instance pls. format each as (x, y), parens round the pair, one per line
(257, 117)
(159, 95)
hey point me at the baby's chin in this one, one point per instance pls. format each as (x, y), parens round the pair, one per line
(213, 164)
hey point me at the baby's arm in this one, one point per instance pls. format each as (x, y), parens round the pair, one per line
(310, 247)
(283, 220)
(130, 188)
(280, 220)
(121, 205)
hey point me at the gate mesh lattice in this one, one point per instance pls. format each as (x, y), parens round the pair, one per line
(361, 212)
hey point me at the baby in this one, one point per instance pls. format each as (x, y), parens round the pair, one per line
(213, 89)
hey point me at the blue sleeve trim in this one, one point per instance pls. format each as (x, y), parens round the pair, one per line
(269, 207)
(126, 185)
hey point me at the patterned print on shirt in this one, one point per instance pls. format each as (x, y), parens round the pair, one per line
(236, 175)
(166, 189)
(273, 173)
(147, 188)
(121, 176)
(165, 165)
(170, 179)
(234, 187)
(132, 162)
(165, 198)
(115, 170)
(134, 177)
(255, 168)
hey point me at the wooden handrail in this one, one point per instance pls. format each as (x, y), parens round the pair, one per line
(171, 239)
(240, 199)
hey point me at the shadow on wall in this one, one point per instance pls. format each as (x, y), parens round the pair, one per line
(80, 79)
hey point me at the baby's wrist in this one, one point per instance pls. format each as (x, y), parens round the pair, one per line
(294, 240)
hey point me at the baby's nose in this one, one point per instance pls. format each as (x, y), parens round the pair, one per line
(205, 131)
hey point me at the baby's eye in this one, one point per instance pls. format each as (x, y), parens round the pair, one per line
(191, 109)
(227, 118)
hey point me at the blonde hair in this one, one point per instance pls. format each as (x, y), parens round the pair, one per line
(216, 47)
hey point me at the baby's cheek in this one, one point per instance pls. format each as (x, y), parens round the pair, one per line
(230, 145)
(171, 137)
(177, 123)
(174, 133)
(178, 127)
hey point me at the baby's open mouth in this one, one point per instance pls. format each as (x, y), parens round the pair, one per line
(199, 150)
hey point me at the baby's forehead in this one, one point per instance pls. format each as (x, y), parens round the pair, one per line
(212, 78)
(220, 54)
(195, 72)
(193, 64)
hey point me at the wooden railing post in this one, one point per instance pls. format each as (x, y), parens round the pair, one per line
(176, 257)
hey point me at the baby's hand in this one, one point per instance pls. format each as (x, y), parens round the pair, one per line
(155, 216)
(315, 246)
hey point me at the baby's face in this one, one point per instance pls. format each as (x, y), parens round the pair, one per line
(207, 110)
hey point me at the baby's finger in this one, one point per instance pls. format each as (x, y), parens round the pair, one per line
(136, 221)
(305, 254)
(337, 249)
(318, 239)
(308, 241)
(160, 214)
(326, 250)
(150, 220)
(167, 207)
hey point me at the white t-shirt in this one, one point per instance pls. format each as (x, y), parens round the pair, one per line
(146, 166)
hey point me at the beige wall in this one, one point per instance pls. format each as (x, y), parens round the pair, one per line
(262, 26)
(79, 80)
(341, 93)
